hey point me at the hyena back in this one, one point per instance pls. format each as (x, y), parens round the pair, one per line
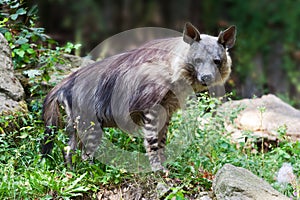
(144, 86)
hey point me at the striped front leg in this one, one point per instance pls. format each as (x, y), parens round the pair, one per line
(154, 141)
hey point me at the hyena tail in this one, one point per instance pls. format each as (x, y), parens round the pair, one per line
(51, 117)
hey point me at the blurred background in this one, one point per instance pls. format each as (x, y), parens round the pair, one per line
(266, 56)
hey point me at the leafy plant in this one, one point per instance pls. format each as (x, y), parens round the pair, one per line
(24, 174)
(19, 28)
(33, 51)
(199, 128)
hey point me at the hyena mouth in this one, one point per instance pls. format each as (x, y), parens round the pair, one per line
(206, 83)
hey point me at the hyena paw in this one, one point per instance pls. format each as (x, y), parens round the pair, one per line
(158, 167)
(87, 156)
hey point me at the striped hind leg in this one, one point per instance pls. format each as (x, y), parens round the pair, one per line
(71, 131)
(72, 144)
(90, 140)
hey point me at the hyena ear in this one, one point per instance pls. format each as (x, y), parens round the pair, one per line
(227, 37)
(190, 33)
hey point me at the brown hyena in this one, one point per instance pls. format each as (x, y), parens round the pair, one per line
(145, 86)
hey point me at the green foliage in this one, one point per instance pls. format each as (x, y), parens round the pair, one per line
(18, 26)
(261, 25)
(33, 51)
(211, 149)
(25, 175)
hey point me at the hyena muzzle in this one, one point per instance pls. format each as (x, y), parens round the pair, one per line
(145, 86)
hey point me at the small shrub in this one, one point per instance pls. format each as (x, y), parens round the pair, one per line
(33, 52)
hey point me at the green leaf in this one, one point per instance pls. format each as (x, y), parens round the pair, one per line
(33, 73)
(21, 11)
(21, 40)
(30, 51)
(14, 16)
(23, 136)
(73, 188)
(70, 46)
(3, 29)
(46, 77)
(15, 6)
(26, 59)
(77, 46)
(20, 52)
(8, 36)
(25, 46)
(2, 22)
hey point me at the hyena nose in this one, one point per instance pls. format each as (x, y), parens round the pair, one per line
(206, 79)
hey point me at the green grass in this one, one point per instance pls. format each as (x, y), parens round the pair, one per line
(206, 148)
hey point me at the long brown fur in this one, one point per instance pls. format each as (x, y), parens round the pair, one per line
(125, 87)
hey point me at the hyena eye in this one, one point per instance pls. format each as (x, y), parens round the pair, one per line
(217, 62)
(198, 61)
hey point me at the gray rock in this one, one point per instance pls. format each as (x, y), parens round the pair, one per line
(204, 196)
(72, 63)
(11, 90)
(162, 188)
(236, 183)
(263, 117)
(5, 54)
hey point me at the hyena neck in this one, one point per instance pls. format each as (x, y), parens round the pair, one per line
(178, 57)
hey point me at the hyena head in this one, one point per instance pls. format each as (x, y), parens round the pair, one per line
(208, 56)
